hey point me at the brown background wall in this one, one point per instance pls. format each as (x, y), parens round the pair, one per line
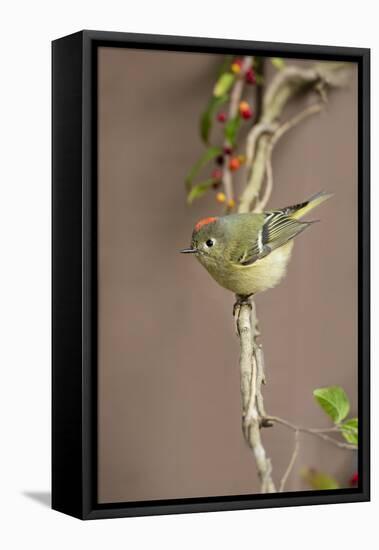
(169, 398)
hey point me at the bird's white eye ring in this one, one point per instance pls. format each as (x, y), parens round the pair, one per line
(209, 243)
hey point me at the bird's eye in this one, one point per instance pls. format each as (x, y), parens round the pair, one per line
(209, 243)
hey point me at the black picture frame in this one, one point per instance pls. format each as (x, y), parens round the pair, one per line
(74, 294)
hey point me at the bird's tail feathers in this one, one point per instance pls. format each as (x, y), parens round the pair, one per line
(299, 210)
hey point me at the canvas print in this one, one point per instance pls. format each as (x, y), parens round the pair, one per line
(227, 275)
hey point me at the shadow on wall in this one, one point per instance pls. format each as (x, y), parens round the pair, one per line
(41, 497)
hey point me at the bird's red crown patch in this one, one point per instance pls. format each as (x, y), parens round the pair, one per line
(204, 221)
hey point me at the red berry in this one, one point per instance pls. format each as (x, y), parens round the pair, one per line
(234, 164)
(221, 117)
(228, 150)
(220, 160)
(247, 113)
(216, 184)
(245, 110)
(217, 174)
(236, 66)
(354, 480)
(250, 76)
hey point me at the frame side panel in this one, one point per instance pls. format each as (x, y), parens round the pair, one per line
(67, 275)
(364, 277)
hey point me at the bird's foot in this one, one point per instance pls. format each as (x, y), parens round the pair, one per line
(242, 301)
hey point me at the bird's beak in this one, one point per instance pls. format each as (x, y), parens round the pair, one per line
(189, 251)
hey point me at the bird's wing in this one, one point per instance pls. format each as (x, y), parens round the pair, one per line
(276, 231)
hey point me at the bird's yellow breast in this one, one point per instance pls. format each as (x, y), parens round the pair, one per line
(257, 277)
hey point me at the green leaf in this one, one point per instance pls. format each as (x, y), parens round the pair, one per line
(223, 84)
(349, 430)
(208, 116)
(208, 155)
(231, 129)
(278, 63)
(199, 190)
(334, 401)
(319, 480)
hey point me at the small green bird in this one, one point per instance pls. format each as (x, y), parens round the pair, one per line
(249, 253)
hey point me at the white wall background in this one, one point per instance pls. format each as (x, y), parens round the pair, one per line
(27, 29)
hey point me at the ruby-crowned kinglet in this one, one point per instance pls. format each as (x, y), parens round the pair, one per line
(249, 253)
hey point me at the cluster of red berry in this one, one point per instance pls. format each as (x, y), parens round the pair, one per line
(234, 163)
(245, 112)
(236, 68)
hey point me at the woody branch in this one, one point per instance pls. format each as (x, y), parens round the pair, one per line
(259, 184)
